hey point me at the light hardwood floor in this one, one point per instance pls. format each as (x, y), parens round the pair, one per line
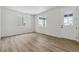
(35, 42)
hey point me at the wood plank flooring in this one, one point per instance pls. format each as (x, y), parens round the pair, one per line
(35, 42)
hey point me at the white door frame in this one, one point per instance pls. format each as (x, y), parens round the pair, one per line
(67, 32)
(77, 21)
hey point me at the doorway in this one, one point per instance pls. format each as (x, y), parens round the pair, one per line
(69, 23)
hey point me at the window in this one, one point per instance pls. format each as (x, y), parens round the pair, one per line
(42, 21)
(68, 19)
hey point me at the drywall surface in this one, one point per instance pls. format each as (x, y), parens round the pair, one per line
(78, 23)
(78, 29)
(55, 18)
(52, 22)
(12, 24)
(0, 21)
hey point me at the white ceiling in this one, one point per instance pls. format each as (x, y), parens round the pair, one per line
(31, 9)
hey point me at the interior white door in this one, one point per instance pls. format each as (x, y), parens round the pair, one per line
(68, 25)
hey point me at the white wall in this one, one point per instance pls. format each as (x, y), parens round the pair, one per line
(10, 20)
(52, 22)
(53, 25)
(78, 22)
(33, 23)
(55, 18)
(0, 22)
(78, 28)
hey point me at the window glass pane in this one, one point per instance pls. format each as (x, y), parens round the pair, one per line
(68, 19)
(42, 21)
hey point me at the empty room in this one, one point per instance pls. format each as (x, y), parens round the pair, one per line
(39, 29)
